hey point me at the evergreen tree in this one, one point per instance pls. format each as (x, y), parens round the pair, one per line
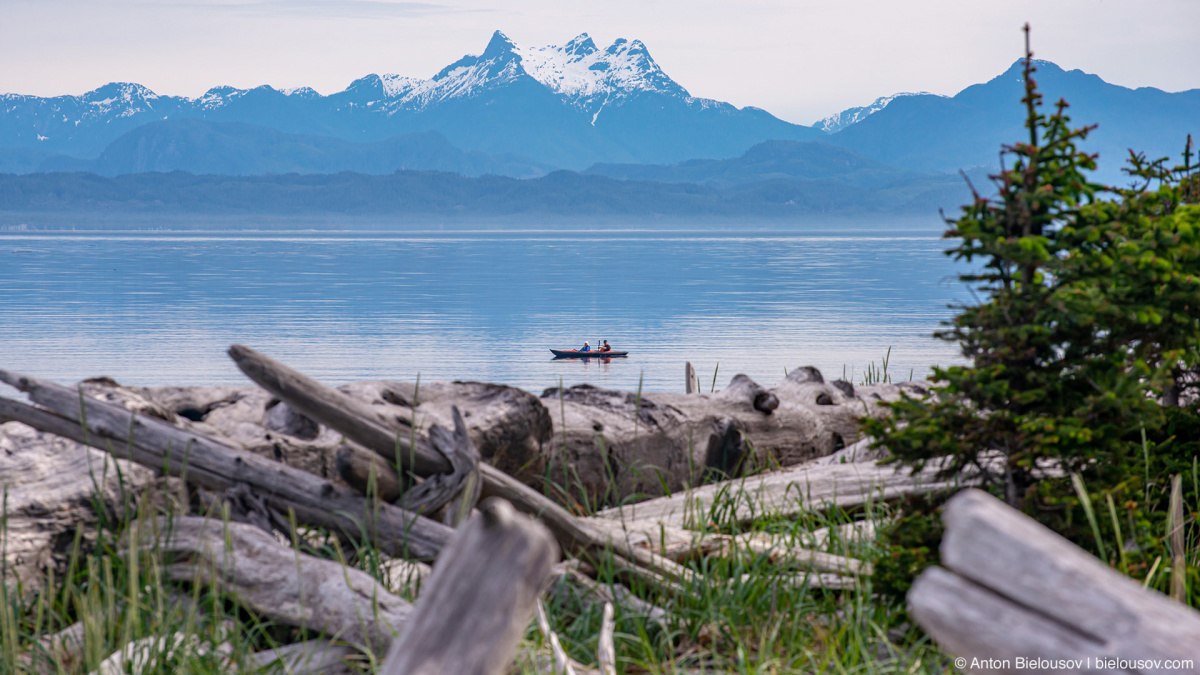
(1051, 378)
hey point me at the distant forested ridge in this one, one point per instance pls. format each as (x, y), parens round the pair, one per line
(561, 193)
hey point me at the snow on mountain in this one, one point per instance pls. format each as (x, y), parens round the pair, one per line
(397, 86)
(838, 121)
(568, 105)
(116, 100)
(218, 97)
(584, 75)
(300, 92)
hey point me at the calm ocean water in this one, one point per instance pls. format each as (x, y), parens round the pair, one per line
(154, 309)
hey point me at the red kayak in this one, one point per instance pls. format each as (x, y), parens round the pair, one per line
(576, 354)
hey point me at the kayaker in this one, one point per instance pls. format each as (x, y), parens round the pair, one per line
(605, 347)
(586, 347)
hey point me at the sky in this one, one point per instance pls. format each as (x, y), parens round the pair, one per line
(799, 59)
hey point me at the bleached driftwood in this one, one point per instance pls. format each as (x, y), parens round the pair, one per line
(139, 655)
(806, 487)
(605, 443)
(606, 650)
(311, 657)
(56, 653)
(364, 425)
(49, 489)
(218, 467)
(824, 580)
(368, 473)
(858, 531)
(461, 485)
(480, 598)
(275, 581)
(681, 544)
(611, 444)
(1008, 588)
(507, 425)
(405, 576)
(780, 551)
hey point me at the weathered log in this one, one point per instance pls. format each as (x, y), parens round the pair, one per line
(244, 417)
(825, 580)
(760, 399)
(480, 598)
(608, 445)
(507, 425)
(669, 541)
(368, 473)
(49, 490)
(680, 545)
(858, 531)
(55, 653)
(778, 551)
(405, 577)
(218, 467)
(382, 435)
(140, 655)
(438, 490)
(689, 375)
(807, 487)
(311, 657)
(337, 410)
(606, 650)
(605, 444)
(1010, 589)
(273, 580)
(593, 443)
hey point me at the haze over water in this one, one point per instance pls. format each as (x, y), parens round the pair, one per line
(161, 308)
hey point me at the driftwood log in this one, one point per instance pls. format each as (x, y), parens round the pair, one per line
(608, 445)
(49, 490)
(588, 442)
(1010, 589)
(218, 467)
(787, 492)
(387, 437)
(273, 580)
(480, 599)
(311, 657)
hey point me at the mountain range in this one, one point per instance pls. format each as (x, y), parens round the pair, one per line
(610, 114)
(569, 106)
(937, 133)
(238, 149)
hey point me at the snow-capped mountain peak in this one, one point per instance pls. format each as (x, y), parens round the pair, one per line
(838, 121)
(117, 99)
(545, 92)
(307, 93)
(583, 73)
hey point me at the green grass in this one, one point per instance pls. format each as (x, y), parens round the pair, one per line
(742, 614)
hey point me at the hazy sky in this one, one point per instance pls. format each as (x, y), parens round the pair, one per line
(799, 59)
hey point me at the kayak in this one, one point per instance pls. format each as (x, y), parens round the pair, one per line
(576, 354)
